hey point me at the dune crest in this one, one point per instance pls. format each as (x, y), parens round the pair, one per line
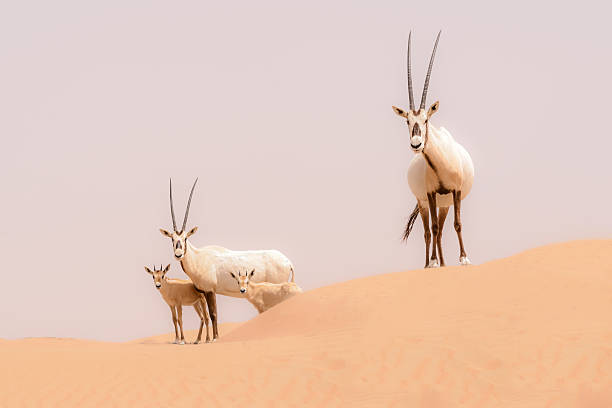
(534, 329)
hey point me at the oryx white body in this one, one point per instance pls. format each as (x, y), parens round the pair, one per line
(458, 174)
(209, 267)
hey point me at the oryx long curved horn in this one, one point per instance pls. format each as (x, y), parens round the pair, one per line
(188, 205)
(172, 208)
(431, 60)
(410, 95)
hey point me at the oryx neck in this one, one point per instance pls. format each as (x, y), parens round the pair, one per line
(431, 152)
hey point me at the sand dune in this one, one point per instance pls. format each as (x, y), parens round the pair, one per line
(532, 330)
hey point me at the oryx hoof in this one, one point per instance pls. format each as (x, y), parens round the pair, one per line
(464, 260)
(176, 341)
(181, 342)
(197, 342)
(433, 264)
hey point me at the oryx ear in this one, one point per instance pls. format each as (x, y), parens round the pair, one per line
(399, 112)
(191, 232)
(166, 233)
(167, 268)
(148, 270)
(252, 272)
(433, 109)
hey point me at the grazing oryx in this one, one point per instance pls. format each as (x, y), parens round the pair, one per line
(264, 295)
(440, 174)
(208, 266)
(178, 293)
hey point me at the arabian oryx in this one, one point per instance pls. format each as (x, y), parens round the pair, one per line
(440, 174)
(178, 293)
(264, 295)
(209, 266)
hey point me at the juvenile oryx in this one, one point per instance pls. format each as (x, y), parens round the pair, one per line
(209, 266)
(178, 293)
(440, 174)
(264, 295)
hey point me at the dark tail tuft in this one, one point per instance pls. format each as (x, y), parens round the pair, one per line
(411, 220)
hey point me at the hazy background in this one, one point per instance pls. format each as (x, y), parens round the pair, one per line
(284, 112)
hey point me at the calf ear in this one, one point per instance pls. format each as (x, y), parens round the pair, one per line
(148, 270)
(252, 272)
(167, 268)
(191, 232)
(166, 233)
(233, 276)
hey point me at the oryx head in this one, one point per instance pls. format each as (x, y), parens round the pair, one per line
(243, 281)
(418, 120)
(158, 275)
(179, 237)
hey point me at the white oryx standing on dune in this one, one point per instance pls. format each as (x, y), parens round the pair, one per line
(440, 174)
(209, 267)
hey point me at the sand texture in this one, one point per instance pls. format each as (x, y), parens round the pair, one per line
(531, 330)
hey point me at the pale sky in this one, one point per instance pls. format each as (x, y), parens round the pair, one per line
(283, 110)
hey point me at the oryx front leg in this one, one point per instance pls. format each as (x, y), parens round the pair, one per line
(424, 211)
(211, 300)
(463, 259)
(431, 198)
(179, 309)
(441, 218)
(174, 319)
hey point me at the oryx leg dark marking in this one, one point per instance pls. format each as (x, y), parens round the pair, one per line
(424, 211)
(441, 219)
(431, 198)
(211, 299)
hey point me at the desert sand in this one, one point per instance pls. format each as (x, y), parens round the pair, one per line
(531, 330)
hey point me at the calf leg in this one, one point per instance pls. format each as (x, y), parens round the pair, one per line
(176, 336)
(211, 299)
(463, 259)
(204, 308)
(441, 219)
(424, 211)
(198, 308)
(431, 198)
(179, 309)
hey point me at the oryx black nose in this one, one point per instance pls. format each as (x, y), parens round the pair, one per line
(242, 290)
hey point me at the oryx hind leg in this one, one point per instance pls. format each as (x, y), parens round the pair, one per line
(441, 218)
(424, 211)
(463, 259)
